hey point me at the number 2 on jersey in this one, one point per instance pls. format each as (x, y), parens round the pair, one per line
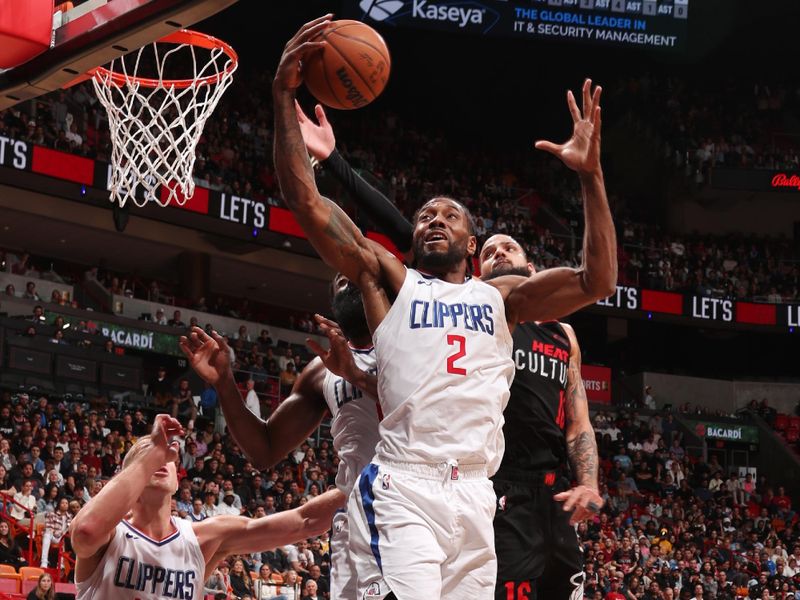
(461, 342)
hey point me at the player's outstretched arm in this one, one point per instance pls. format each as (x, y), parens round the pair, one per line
(581, 153)
(554, 293)
(584, 499)
(93, 526)
(338, 359)
(321, 144)
(228, 534)
(334, 236)
(264, 442)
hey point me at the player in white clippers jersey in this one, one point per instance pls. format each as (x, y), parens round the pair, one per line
(130, 547)
(425, 504)
(341, 381)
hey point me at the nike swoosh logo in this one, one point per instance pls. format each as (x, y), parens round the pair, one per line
(131, 537)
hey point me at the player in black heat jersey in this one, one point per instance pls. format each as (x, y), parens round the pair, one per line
(547, 430)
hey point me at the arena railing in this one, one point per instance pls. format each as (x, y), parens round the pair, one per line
(5, 514)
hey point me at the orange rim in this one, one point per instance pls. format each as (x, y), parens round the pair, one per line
(183, 36)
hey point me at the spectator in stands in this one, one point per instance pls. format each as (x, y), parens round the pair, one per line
(782, 505)
(20, 267)
(197, 513)
(7, 459)
(288, 377)
(310, 590)
(38, 314)
(160, 388)
(251, 399)
(56, 526)
(219, 584)
(30, 292)
(315, 575)
(210, 508)
(24, 505)
(286, 358)
(183, 406)
(264, 340)
(266, 586)
(299, 556)
(649, 401)
(48, 502)
(44, 590)
(242, 334)
(160, 319)
(184, 501)
(227, 490)
(175, 321)
(241, 583)
(291, 585)
(10, 552)
(208, 402)
(11, 291)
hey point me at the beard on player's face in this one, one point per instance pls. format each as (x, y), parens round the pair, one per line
(348, 311)
(507, 270)
(439, 260)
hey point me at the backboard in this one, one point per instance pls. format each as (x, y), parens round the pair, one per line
(93, 33)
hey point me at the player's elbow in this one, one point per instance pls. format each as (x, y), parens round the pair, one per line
(599, 287)
(86, 536)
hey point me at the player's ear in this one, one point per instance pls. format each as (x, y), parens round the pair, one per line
(531, 269)
(472, 245)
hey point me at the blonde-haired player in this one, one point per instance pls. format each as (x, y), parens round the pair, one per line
(130, 547)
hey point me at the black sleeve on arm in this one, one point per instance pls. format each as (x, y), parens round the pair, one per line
(385, 215)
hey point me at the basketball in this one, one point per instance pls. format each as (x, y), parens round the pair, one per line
(352, 69)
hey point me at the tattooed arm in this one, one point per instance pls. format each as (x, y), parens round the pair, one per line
(584, 499)
(334, 236)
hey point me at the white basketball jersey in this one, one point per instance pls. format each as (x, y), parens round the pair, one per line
(354, 423)
(137, 567)
(445, 367)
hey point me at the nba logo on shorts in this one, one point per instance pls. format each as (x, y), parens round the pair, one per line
(385, 481)
(501, 503)
(373, 591)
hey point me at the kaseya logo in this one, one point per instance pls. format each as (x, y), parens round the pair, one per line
(380, 10)
(373, 590)
(461, 13)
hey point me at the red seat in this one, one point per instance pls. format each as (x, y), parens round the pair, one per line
(794, 422)
(9, 586)
(66, 588)
(782, 422)
(29, 585)
(792, 435)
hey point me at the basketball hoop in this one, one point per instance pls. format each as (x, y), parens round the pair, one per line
(155, 122)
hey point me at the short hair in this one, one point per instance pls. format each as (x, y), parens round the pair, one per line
(471, 227)
(135, 449)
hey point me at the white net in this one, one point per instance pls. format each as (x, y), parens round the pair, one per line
(155, 123)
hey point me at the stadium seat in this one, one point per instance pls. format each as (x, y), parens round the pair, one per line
(781, 422)
(66, 588)
(30, 573)
(9, 585)
(7, 569)
(792, 435)
(794, 422)
(29, 585)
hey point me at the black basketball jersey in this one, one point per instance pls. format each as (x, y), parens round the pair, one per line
(535, 420)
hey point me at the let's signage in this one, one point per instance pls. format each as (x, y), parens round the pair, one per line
(256, 215)
(702, 308)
